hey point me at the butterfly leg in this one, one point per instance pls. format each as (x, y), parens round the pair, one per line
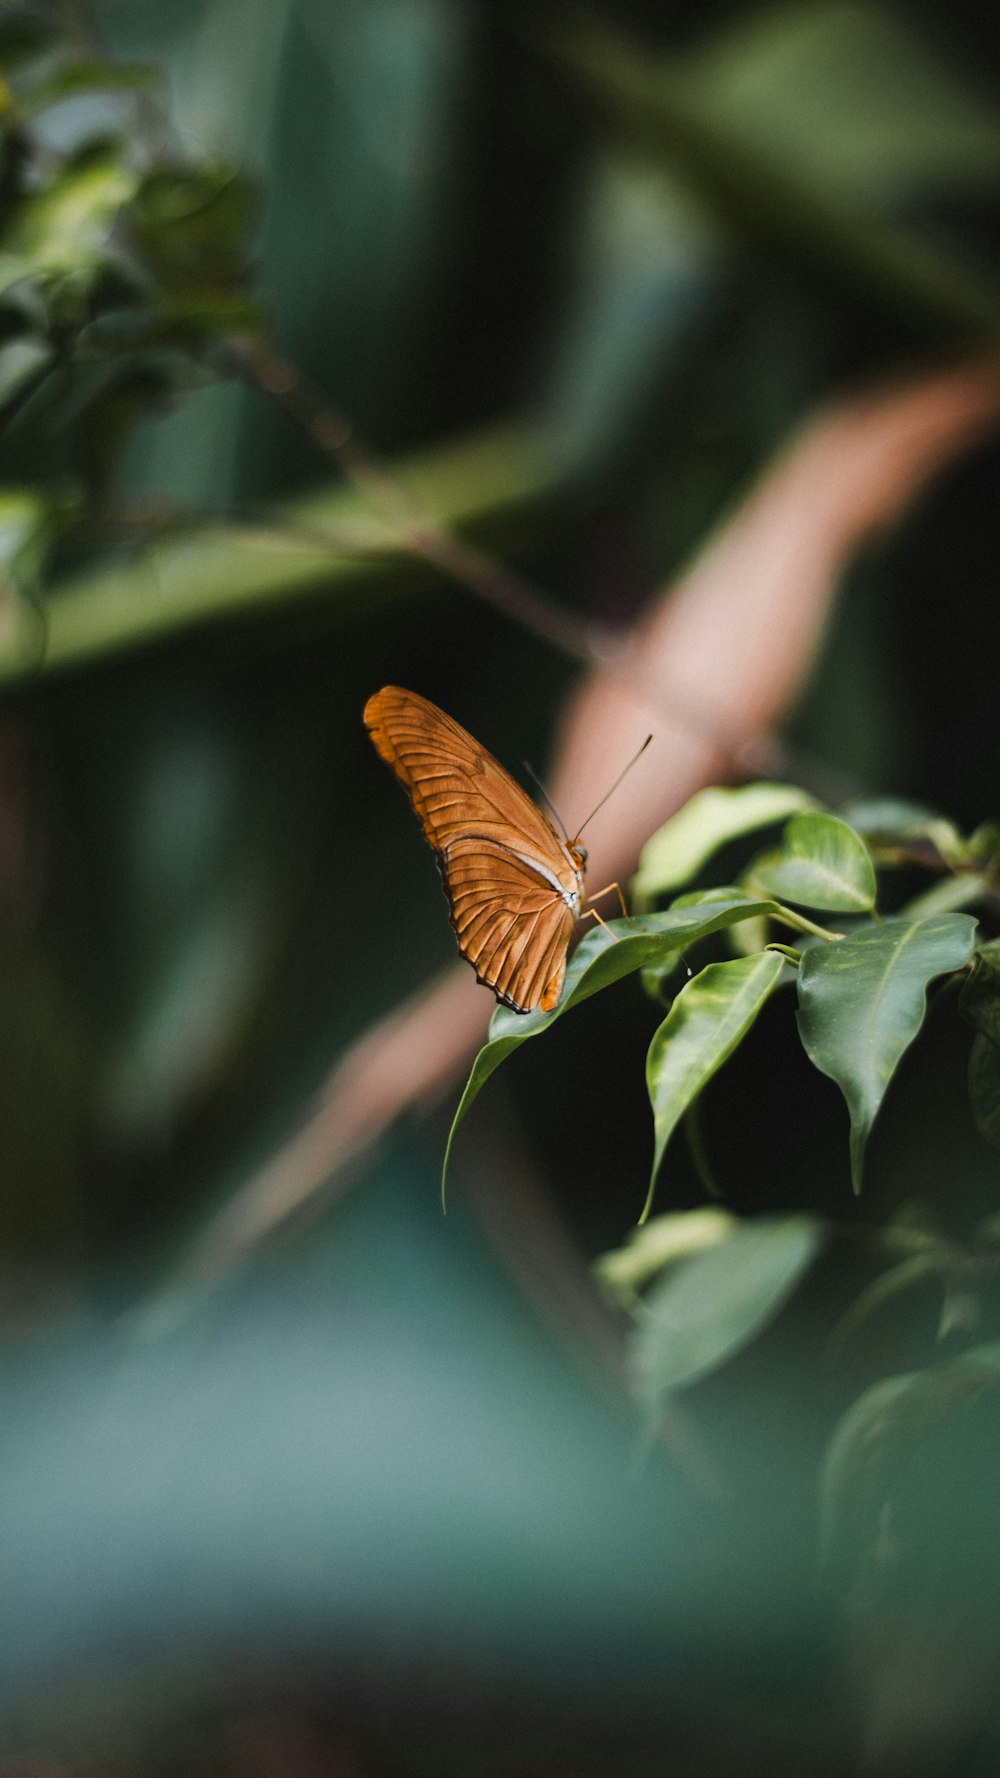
(607, 891)
(592, 914)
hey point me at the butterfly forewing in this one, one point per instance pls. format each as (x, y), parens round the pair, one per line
(513, 885)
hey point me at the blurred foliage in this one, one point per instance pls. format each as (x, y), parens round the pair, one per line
(580, 272)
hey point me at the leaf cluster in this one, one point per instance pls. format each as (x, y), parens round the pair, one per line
(123, 270)
(861, 987)
(698, 1285)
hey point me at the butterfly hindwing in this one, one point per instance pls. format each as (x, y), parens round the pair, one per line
(509, 923)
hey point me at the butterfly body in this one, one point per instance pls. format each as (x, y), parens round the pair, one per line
(514, 885)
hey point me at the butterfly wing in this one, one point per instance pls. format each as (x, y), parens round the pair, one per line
(509, 923)
(456, 786)
(513, 887)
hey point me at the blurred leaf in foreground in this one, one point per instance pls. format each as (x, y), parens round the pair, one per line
(710, 1305)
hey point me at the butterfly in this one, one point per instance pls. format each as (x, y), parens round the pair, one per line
(514, 885)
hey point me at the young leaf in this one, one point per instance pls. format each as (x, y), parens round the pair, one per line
(709, 1018)
(682, 845)
(603, 957)
(821, 863)
(662, 1242)
(862, 1002)
(711, 1304)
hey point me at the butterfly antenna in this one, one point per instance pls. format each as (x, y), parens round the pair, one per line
(538, 782)
(614, 786)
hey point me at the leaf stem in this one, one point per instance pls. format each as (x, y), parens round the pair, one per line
(790, 954)
(799, 923)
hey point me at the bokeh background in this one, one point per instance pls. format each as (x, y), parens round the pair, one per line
(373, 1500)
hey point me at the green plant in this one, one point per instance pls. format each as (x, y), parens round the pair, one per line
(700, 1284)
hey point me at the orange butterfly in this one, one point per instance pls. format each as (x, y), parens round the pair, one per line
(514, 885)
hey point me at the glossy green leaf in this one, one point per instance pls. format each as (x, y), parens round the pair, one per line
(886, 1433)
(821, 863)
(683, 844)
(708, 1020)
(710, 1305)
(659, 1243)
(604, 956)
(862, 1002)
(984, 1087)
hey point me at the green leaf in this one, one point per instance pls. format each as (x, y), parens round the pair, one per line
(66, 228)
(804, 85)
(821, 863)
(983, 845)
(887, 817)
(891, 825)
(22, 360)
(682, 845)
(891, 1283)
(494, 487)
(946, 895)
(862, 1002)
(984, 1087)
(767, 182)
(603, 957)
(708, 1020)
(30, 523)
(980, 996)
(661, 1242)
(711, 1304)
(194, 227)
(887, 1432)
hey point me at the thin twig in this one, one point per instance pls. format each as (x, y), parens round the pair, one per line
(589, 643)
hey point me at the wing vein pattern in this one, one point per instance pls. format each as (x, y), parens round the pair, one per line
(512, 922)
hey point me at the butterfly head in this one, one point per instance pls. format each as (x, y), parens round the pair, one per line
(579, 856)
